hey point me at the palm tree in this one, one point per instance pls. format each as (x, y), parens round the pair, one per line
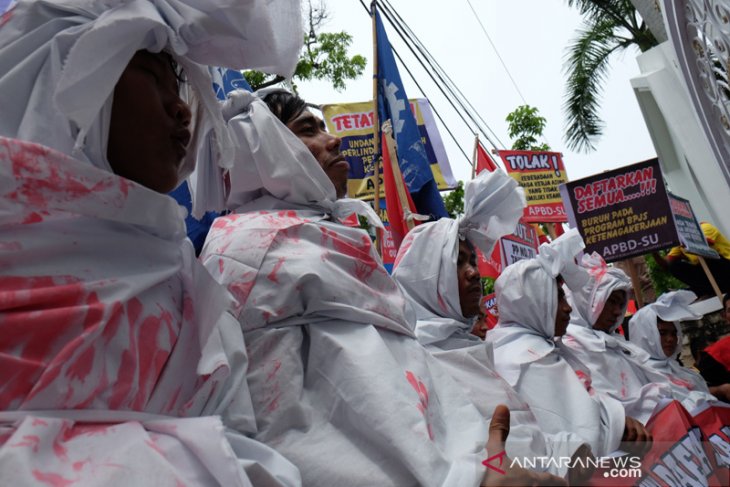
(609, 26)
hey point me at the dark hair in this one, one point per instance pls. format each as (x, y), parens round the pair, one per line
(468, 243)
(285, 106)
(725, 299)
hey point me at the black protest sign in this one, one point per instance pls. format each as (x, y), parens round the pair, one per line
(622, 213)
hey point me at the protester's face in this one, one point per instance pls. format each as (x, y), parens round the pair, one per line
(480, 326)
(470, 284)
(324, 146)
(668, 336)
(148, 131)
(562, 317)
(612, 311)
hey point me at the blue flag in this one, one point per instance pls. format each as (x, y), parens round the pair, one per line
(226, 80)
(393, 104)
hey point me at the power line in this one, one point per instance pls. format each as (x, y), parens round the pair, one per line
(440, 86)
(432, 106)
(438, 115)
(504, 65)
(499, 56)
(409, 37)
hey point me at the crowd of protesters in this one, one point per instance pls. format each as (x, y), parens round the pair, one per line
(285, 354)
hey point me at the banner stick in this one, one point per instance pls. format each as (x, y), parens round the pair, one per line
(710, 277)
(376, 129)
(397, 175)
(636, 284)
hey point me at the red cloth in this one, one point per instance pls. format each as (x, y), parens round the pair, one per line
(720, 351)
(484, 161)
(393, 204)
(680, 455)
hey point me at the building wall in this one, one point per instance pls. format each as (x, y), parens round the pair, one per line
(688, 162)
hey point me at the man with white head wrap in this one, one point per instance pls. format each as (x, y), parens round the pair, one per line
(532, 311)
(599, 298)
(435, 270)
(339, 383)
(655, 329)
(118, 354)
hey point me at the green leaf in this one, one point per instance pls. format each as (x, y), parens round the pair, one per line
(454, 200)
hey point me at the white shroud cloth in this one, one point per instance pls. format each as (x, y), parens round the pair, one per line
(426, 270)
(557, 388)
(618, 368)
(340, 385)
(60, 60)
(116, 340)
(687, 386)
(117, 355)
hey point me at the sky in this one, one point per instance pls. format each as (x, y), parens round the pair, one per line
(531, 37)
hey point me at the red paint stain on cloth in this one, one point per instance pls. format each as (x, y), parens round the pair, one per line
(422, 392)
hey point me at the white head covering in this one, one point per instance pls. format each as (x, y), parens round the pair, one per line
(60, 60)
(527, 294)
(274, 169)
(591, 284)
(527, 299)
(672, 307)
(687, 385)
(493, 203)
(617, 367)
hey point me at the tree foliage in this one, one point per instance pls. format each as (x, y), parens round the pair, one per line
(454, 200)
(525, 125)
(662, 280)
(609, 26)
(324, 56)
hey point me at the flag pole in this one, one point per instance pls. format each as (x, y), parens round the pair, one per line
(397, 175)
(376, 131)
(376, 121)
(474, 156)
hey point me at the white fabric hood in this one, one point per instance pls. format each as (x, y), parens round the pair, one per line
(590, 285)
(335, 371)
(273, 168)
(618, 368)
(60, 60)
(493, 203)
(687, 386)
(672, 307)
(527, 294)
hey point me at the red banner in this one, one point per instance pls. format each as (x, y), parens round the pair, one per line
(489, 305)
(715, 425)
(520, 244)
(681, 455)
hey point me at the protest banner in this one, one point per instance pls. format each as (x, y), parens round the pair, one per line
(622, 213)
(681, 454)
(353, 123)
(386, 244)
(540, 174)
(489, 306)
(692, 238)
(714, 421)
(689, 232)
(520, 244)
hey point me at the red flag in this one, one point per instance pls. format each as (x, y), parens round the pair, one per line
(393, 204)
(484, 161)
